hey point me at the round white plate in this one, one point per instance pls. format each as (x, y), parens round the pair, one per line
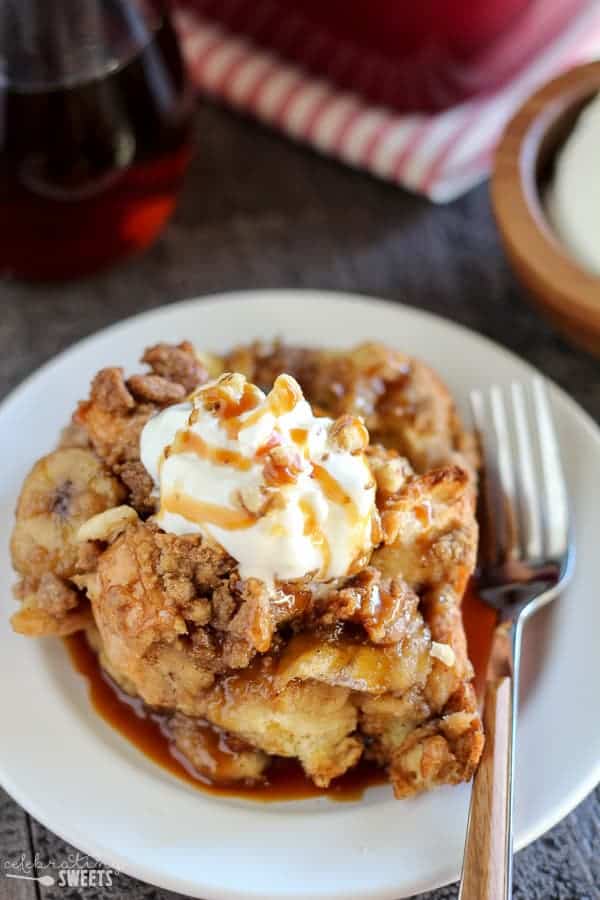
(84, 781)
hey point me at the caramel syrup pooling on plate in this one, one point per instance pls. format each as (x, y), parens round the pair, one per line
(285, 780)
(149, 732)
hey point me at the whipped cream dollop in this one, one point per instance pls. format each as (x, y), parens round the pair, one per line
(284, 492)
(573, 199)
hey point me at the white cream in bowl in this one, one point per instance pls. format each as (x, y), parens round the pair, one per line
(573, 199)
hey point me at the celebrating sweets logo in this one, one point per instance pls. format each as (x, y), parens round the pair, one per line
(74, 870)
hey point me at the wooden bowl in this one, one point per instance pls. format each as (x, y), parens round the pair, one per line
(523, 165)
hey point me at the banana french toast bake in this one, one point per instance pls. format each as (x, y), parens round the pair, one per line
(275, 542)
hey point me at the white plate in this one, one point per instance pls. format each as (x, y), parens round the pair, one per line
(88, 784)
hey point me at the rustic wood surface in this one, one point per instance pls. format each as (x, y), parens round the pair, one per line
(261, 212)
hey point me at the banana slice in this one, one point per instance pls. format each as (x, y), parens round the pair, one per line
(107, 525)
(62, 491)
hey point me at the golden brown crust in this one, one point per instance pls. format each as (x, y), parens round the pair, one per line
(404, 404)
(430, 534)
(113, 417)
(160, 599)
(32, 621)
(49, 606)
(376, 662)
(155, 389)
(307, 719)
(179, 364)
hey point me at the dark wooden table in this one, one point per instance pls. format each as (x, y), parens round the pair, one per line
(260, 212)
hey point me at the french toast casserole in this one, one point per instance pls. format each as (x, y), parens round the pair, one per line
(275, 542)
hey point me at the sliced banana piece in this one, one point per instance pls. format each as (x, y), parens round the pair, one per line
(62, 491)
(108, 525)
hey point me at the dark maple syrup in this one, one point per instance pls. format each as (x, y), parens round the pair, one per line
(90, 170)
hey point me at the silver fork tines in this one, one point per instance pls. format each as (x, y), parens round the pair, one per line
(525, 558)
(557, 511)
(529, 509)
(525, 504)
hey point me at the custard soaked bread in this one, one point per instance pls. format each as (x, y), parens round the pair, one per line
(290, 573)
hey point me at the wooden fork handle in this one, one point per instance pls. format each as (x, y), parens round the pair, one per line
(485, 871)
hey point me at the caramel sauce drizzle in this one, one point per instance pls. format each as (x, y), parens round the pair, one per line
(190, 442)
(330, 487)
(359, 562)
(148, 731)
(229, 410)
(281, 400)
(299, 436)
(423, 513)
(336, 494)
(207, 513)
(313, 531)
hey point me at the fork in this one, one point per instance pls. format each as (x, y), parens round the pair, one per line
(526, 556)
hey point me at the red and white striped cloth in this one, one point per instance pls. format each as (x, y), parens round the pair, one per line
(440, 155)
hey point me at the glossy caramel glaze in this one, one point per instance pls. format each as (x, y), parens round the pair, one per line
(191, 442)
(314, 532)
(331, 488)
(282, 399)
(286, 781)
(479, 621)
(229, 410)
(149, 732)
(207, 513)
(423, 513)
(299, 437)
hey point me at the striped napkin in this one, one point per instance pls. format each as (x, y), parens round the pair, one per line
(439, 155)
